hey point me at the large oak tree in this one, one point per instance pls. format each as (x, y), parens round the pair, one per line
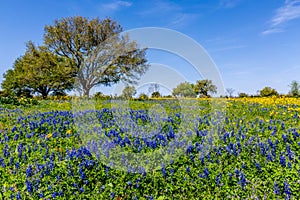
(101, 55)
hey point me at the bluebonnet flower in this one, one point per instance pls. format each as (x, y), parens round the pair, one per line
(287, 189)
(284, 138)
(189, 149)
(60, 193)
(282, 160)
(218, 179)
(6, 151)
(219, 152)
(81, 190)
(29, 171)
(289, 152)
(14, 129)
(19, 195)
(2, 162)
(54, 194)
(202, 160)
(208, 156)
(25, 157)
(276, 189)
(81, 173)
(42, 175)
(235, 152)
(16, 137)
(258, 167)
(242, 180)
(41, 195)
(289, 165)
(112, 195)
(163, 170)
(270, 143)
(206, 173)
(29, 186)
(129, 183)
(11, 160)
(172, 171)
(282, 126)
(188, 170)
(269, 157)
(52, 157)
(151, 198)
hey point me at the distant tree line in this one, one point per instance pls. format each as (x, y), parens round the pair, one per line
(203, 88)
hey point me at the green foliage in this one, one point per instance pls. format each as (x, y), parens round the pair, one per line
(204, 87)
(243, 94)
(39, 71)
(143, 96)
(268, 91)
(184, 89)
(18, 101)
(128, 92)
(295, 89)
(101, 96)
(155, 95)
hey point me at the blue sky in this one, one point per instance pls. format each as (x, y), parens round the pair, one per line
(253, 43)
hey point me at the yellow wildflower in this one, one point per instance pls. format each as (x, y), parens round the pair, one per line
(49, 135)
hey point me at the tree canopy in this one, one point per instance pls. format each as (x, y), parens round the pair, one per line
(128, 92)
(295, 88)
(184, 89)
(101, 54)
(204, 87)
(268, 91)
(39, 71)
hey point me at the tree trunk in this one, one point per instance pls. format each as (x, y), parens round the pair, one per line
(44, 94)
(86, 92)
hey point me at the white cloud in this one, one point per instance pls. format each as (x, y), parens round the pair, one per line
(289, 11)
(115, 5)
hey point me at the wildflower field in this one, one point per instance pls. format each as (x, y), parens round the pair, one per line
(240, 148)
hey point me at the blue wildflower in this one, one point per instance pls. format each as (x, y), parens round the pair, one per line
(112, 195)
(19, 195)
(276, 189)
(29, 186)
(81, 190)
(282, 160)
(287, 189)
(29, 171)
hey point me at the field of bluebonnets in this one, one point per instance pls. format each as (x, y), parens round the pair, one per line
(245, 148)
